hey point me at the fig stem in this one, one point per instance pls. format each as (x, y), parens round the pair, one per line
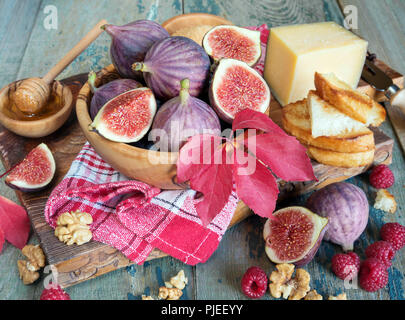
(139, 66)
(91, 79)
(184, 94)
(347, 247)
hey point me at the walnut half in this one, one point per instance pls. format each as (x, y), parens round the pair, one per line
(73, 227)
(170, 293)
(283, 284)
(35, 255)
(27, 275)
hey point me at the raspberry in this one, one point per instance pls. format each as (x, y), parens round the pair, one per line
(373, 275)
(254, 282)
(345, 265)
(381, 177)
(54, 294)
(395, 233)
(381, 250)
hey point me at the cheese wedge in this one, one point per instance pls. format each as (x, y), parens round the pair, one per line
(296, 121)
(296, 52)
(326, 120)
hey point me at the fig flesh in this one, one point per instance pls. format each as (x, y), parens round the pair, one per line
(234, 87)
(108, 91)
(127, 117)
(294, 235)
(35, 172)
(233, 42)
(171, 60)
(183, 117)
(130, 43)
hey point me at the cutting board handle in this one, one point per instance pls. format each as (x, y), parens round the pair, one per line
(398, 100)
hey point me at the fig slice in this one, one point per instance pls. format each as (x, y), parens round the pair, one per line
(35, 172)
(234, 87)
(294, 235)
(127, 117)
(233, 42)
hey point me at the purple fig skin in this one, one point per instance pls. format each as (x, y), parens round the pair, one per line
(108, 91)
(171, 60)
(182, 117)
(130, 43)
(346, 206)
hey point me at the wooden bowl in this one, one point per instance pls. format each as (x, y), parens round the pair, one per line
(136, 163)
(36, 128)
(193, 19)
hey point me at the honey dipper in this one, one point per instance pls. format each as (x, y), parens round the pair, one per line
(33, 93)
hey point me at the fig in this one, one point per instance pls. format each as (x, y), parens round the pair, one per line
(183, 117)
(35, 172)
(234, 43)
(130, 43)
(294, 235)
(127, 117)
(234, 87)
(346, 207)
(108, 91)
(171, 60)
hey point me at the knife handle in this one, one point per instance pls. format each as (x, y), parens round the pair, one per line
(398, 100)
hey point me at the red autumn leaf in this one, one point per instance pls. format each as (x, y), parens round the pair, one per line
(250, 119)
(255, 186)
(285, 156)
(195, 154)
(1, 239)
(14, 222)
(211, 176)
(275, 149)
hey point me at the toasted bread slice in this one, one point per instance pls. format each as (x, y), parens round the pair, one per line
(352, 103)
(327, 120)
(296, 121)
(341, 159)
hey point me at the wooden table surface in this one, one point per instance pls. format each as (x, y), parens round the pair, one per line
(28, 49)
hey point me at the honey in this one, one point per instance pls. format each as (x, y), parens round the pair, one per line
(53, 105)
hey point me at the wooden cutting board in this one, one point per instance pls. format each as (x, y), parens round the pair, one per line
(73, 264)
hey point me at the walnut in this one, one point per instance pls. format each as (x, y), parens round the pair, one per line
(313, 295)
(73, 227)
(179, 281)
(35, 255)
(341, 296)
(147, 297)
(170, 293)
(28, 276)
(282, 283)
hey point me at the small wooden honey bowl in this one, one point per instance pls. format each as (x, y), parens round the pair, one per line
(49, 120)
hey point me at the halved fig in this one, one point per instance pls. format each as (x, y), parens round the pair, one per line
(127, 117)
(234, 43)
(35, 172)
(234, 87)
(294, 235)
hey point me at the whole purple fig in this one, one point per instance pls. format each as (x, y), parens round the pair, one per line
(171, 60)
(130, 43)
(182, 117)
(108, 91)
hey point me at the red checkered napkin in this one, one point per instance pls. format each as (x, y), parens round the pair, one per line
(135, 217)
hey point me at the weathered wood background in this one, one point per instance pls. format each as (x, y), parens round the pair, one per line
(28, 49)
